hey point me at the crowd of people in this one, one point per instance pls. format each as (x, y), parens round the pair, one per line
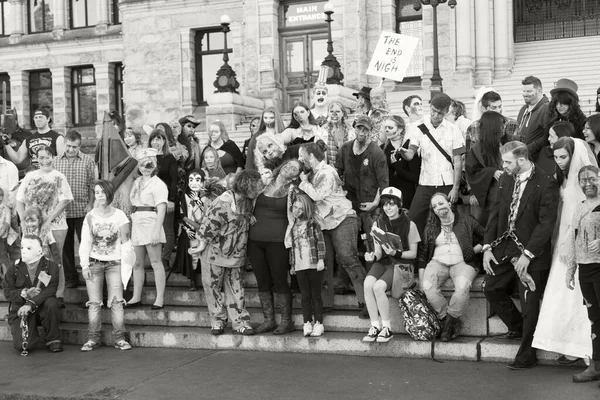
(321, 207)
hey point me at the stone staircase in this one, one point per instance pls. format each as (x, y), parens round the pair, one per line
(184, 323)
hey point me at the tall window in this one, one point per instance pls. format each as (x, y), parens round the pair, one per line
(410, 22)
(83, 13)
(41, 15)
(5, 15)
(116, 18)
(83, 83)
(40, 91)
(119, 104)
(4, 93)
(209, 58)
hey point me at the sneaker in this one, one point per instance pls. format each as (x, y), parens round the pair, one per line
(384, 335)
(246, 330)
(89, 345)
(122, 345)
(318, 330)
(217, 329)
(371, 335)
(308, 328)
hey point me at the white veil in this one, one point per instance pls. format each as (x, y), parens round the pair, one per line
(573, 195)
(476, 111)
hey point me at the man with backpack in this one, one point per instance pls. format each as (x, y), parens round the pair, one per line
(441, 146)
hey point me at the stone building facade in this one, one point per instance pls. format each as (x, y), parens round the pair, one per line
(154, 60)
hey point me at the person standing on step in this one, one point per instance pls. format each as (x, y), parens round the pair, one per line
(223, 238)
(385, 258)
(441, 147)
(269, 257)
(149, 197)
(308, 261)
(335, 215)
(104, 244)
(584, 253)
(449, 249)
(44, 136)
(534, 117)
(81, 172)
(518, 241)
(413, 108)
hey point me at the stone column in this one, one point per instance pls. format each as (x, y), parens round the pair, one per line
(61, 99)
(188, 71)
(464, 57)
(501, 47)
(60, 18)
(105, 92)
(17, 16)
(103, 12)
(263, 76)
(19, 96)
(483, 59)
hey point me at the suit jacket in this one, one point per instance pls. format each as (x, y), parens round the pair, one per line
(17, 279)
(535, 222)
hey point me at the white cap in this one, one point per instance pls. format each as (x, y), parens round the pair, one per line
(147, 152)
(391, 192)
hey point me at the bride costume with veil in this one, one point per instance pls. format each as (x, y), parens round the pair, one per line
(563, 326)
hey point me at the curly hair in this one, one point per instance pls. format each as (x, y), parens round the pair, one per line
(574, 114)
(433, 227)
(246, 182)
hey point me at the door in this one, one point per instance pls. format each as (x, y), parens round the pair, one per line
(302, 58)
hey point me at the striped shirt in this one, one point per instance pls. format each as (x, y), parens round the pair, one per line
(80, 172)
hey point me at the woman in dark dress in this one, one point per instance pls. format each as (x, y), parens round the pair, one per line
(483, 165)
(268, 254)
(231, 157)
(564, 106)
(303, 127)
(167, 172)
(404, 175)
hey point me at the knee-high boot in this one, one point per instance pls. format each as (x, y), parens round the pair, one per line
(266, 302)
(284, 301)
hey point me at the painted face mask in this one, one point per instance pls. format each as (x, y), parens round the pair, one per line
(195, 182)
(31, 251)
(147, 166)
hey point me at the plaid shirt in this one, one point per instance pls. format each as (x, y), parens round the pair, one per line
(81, 175)
(316, 242)
(332, 147)
(473, 132)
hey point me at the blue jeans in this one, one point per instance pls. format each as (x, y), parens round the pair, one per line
(343, 240)
(112, 271)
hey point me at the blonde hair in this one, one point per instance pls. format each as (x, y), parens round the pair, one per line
(308, 207)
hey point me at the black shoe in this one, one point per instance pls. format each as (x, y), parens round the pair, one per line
(510, 335)
(133, 305)
(518, 365)
(563, 360)
(155, 307)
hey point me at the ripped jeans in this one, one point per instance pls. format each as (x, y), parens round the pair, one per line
(436, 274)
(112, 271)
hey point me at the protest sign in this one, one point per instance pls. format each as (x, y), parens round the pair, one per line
(392, 56)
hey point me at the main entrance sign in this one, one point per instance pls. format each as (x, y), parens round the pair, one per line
(299, 14)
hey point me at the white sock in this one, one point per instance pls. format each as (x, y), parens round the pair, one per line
(387, 324)
(376, 324)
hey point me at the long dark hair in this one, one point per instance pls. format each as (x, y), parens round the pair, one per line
(295, 124)
(434, 225)
(163, 126)
(568, 144)
(574, 115)
(491, 127)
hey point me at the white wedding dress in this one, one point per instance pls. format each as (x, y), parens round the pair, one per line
(563, 326)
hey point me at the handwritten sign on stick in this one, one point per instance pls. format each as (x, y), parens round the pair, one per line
(392, 56)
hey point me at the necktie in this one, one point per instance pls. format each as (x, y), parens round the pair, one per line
(513, 205)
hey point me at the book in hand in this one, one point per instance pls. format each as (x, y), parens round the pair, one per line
(386, 238)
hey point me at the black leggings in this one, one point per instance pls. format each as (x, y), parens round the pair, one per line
(309, 281)
(271, 264)
(591, 297)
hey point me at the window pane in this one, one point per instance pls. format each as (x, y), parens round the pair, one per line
(210, 66)
(86, 75)
(6, 18)
(319, 52)
(5, 78)
(85, 105)
(40, 91)
(116, 19)
(406, 9)
(217, 41)
(41, 18)
(78, 13)
(414, 28)
(295, 56)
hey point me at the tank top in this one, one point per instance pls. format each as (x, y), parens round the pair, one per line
(271, 219)
(38, 140)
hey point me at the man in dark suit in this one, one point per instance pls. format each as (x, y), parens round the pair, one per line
(517, 244)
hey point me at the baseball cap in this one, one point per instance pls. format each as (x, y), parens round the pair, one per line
(42, 111)
(391, 192)
(365, 121)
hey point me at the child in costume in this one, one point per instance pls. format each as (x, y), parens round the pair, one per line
(33, 222)
(211, 163)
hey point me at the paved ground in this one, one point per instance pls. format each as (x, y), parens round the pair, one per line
(146, 373)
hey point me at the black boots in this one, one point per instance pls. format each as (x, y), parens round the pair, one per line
(450, 328)
(284, 301)
(266, 302)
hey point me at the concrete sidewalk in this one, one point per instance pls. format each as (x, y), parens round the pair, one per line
(150, 373)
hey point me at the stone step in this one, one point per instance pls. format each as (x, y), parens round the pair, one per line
(343, 343)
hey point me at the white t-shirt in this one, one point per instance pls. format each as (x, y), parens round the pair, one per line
(101, 237)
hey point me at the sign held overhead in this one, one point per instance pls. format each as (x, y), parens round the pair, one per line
(392, 56)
